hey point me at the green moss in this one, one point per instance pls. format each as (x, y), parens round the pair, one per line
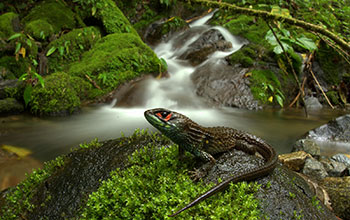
(18, 199)
(156, 184)
(261, 83)
(16, 67)
(39, 29)
(115, 59)
(112, 18)
(172, 25)
(244, 56)
(61, 94)
(10, 106)
(334, 97)
(53, 12)
(6, 24)
(70, 47)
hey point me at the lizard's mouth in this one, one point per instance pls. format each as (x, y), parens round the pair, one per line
(152, 119)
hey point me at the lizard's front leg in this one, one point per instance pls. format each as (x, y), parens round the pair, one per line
(198, 174)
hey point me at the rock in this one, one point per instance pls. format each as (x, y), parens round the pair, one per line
(294, 161)
(162, 30)
(335, 130)
(309, 146)
(64, 192)
(9, 24)
(339, 192)
(10, 106)
(312, 103)
(314, 169)
(342, 158)
(334, 168)
(224, 85)
(208, 42)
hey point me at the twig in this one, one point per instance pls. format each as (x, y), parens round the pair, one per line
(309, 66)
(291, 66)
(297, 97)
(93, 82)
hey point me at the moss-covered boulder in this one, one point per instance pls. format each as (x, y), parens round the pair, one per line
(6, 24)
(56, 13)
(14, 67)
(39, 29)
(60, 96)
(109, 180)
(10, 106)
(115, 59)
(69, 47)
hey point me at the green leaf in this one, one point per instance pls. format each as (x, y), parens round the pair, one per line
(163, 62)
(61, 50)
(14, 36)
(18, 47)
(27, 95)
(29, 43)
(40, 78)
(23, 77)
(51, 51)
(35, 63)
(271, 87)
(279, 100)
(93, 10)
(306, 43)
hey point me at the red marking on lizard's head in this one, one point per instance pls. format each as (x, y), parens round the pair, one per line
(164, 115)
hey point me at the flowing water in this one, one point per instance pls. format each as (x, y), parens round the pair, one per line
(50, 137)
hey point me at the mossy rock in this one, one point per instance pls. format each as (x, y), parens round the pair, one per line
(6, 24)
(53, 12)
(39, 29)
(10, 106)
(60, 96)
(17, 68)
(69, 47)
(115, 59)
(112, 18)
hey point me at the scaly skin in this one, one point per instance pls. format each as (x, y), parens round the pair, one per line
(203, 142)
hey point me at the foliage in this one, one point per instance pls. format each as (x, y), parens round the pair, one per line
(266, 87)
(288, 41)
(30, 78)
(18, 199)
(156, 184)
(60, 95)
(168, 3)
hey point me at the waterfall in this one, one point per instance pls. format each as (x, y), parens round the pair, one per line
(177, 91)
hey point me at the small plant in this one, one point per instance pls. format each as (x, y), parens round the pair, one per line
(31, 79)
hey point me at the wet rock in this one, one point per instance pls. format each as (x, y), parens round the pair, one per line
(339, 192)
(334, 168)
(312, 103)
(314, 169)
(335, 130)
(224, 85)
(209, 42)
(309, 146)
(161, 30)
(342, 158)
(10, 106)
(294, 161)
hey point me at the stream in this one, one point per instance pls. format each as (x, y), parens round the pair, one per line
(49, 137)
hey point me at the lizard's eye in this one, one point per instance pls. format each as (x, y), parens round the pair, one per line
(164, 115)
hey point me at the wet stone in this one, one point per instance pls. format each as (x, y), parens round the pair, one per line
(309, 146)
(334, 168)
(294, 161)
(342, 158)
(314, 169)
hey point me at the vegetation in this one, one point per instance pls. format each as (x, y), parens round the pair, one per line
(136, 192)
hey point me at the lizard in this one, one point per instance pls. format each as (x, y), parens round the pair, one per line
(204, 142)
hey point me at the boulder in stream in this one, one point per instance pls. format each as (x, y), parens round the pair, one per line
(109, 179)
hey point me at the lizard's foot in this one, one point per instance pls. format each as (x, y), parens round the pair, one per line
(197, 174)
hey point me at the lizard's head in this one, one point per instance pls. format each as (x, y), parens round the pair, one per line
(166, 121)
